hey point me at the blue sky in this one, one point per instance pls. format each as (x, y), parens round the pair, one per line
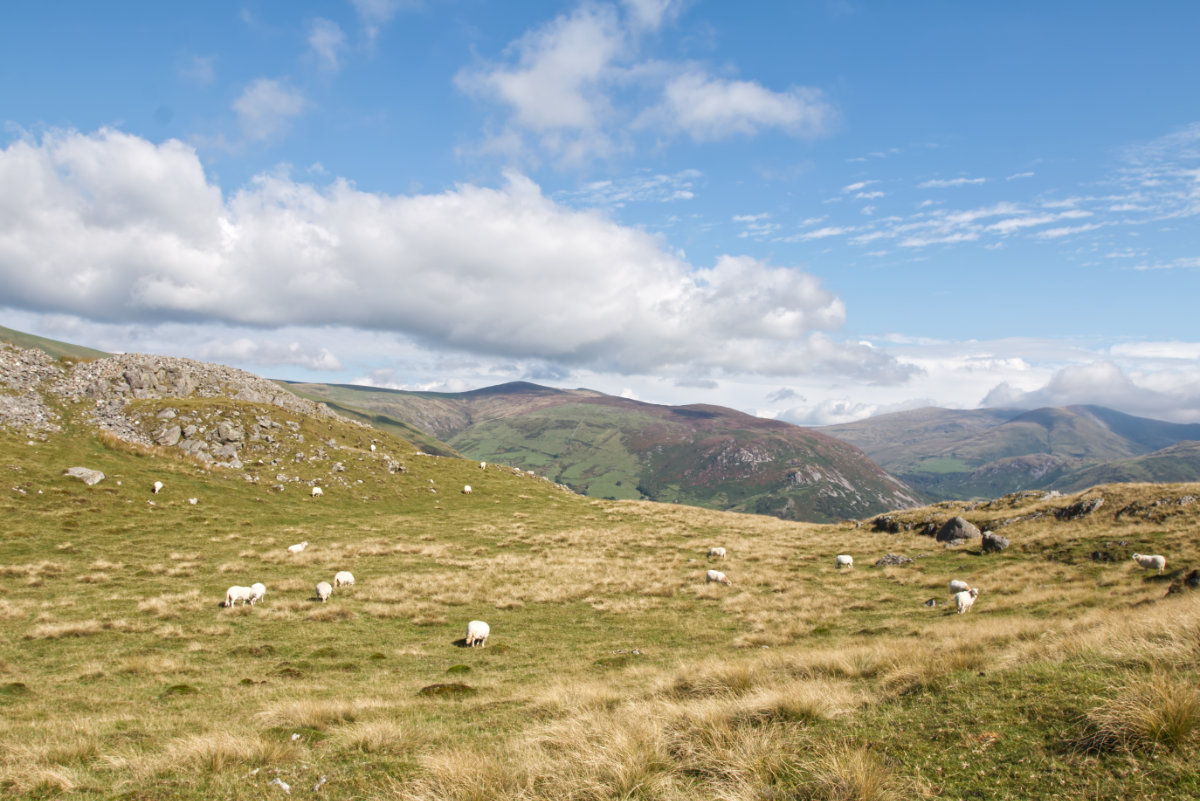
(815, 211)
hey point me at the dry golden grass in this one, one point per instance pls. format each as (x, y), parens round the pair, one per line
(1154, 711)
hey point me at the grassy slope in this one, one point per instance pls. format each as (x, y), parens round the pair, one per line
(121, 676)
(55, 348)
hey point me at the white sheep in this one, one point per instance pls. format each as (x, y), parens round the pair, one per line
(466, 489)
(257, 591)
(844, 560)
(343, 579)
(958, 585)
(158, 485)
(717, 576)
(1148, 561)
(716, 553)
(192, 501)
(372, 447)
(477, 632)
(298, 547)
(483, 465)
(236, 593)
(324, 591)
(317, 492)
(963, 601)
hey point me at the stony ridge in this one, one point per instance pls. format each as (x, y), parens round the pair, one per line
(109, 384)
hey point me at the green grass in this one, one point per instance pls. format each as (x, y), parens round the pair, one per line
(613, 670)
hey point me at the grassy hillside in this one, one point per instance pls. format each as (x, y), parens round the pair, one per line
(614, 671)
(616, 448)
(984, 453)
(58, 350)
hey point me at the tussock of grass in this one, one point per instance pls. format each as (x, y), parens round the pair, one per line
(314, 713)
(57, 631)
(1155, 711)
(219, 751)
(846, 772)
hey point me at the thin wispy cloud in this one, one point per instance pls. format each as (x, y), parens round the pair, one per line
(944, 183)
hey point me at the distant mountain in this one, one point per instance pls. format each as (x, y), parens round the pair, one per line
(946, 453)
(612, 447)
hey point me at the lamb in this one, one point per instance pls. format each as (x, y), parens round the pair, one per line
(1148, 561)
(716, 553)
(317, 492)
(236, 593)
(257, 591)
(324, 591)
(964, 600)
(717, 576)
(957, 586)
(466, 489)
(343, 579)
(477, 632)
(844, 560)
(158, 485)
(298, 547)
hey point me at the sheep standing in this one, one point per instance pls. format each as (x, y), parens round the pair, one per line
(158, 485)
(844, 560)
(466, 489)
(477, 632)
(317, 492)
(257, 591)
(343, 579)
(963, 601)
(717, 576)
(1148, 561)
(324, 591)
(716, 553)
(483, 465)
(958, 585)
(298, 547)
(236, 593)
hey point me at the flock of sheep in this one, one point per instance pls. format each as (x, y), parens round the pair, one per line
(963, 594)
(477, 630)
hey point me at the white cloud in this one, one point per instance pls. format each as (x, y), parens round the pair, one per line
(651, 14)
(709, 109)
(267, 107)
(1019, 175)
(377, 13)
(327, 40)
(579, 87)
(111, 227)
(943, 183)
(267, 354)
(1058, 233)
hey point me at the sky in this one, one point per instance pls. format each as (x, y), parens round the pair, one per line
(811, 211)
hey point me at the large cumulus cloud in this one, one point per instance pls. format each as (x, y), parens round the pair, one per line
(112, 227)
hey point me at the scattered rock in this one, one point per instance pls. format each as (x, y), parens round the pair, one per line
(1079, 509)
(84, 474)
(932, 602)
(993, 543)
(957, 528)
(892, 559)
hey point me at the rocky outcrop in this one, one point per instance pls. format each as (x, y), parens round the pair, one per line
(957, 529)
(993, 543)
(85, 474)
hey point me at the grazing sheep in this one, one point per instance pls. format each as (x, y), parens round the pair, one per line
(1148, 561)
(957, 586)
(372, 447)
(477, 632)
(257, 591)
(298, 547)
(466, 489)
(717, 576)
(483, 465)
(317, 492)
(324, 591)
(158, 485)
(964, 600)
(236, 593)
(844, 560)
(716, 553)
(343, 579)
(192, 501)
